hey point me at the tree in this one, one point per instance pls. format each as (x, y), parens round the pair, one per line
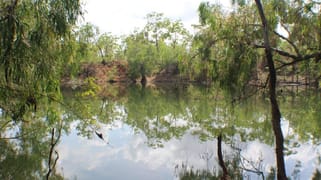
(86, 38)
(161, 42)
(223, 49)
(155, 29)
(276, 114)
(169, 37)
(140, 54)
(232, 43)
(107, 46)
(34, 35)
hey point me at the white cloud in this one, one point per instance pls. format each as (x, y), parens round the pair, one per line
(123, 16)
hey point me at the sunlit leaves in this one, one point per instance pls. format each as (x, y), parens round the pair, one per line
(107, 46)
(161, 42)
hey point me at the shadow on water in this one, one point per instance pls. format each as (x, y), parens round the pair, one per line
(159, 122)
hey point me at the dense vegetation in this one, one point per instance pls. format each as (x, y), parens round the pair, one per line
(35, 46)
(228, 46)
(40, 42)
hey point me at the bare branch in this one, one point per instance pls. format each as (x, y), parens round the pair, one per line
(300, 59)
(18, 136)
(5, 124)
(53, 143)
(296, 59)
(290, 42)
(280, 52)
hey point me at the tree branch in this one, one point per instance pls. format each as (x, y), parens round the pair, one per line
(53, 144)
(296, 59)
(280, 52)
(290, 42)
(5, 124)
(300, 59)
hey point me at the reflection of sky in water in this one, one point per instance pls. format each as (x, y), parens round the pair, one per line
(129, 157)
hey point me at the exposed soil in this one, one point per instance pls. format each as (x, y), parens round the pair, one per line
(117, 72)
(102, 73)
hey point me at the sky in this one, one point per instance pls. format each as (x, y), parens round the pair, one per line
(121, 17)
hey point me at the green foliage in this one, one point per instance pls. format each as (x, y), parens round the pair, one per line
(140, 54)
(86, 37)
(90, 89)
(107, 46)
(224, 45)
(33, 40)
(309, 108)
(160, 43)
(272, 174)
(230, 44)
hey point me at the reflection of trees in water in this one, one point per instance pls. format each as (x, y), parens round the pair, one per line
(164, 114)
(29, 154)
(53, 154)
(316, 175)
(161, 114)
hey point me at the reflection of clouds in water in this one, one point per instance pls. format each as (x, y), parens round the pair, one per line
(79, 155)
(174, 152)
(255, 150)
(176, 121)
(307, 154)
(286, 129)
(130, 156)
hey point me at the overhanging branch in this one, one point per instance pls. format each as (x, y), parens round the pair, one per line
(290, 42)
(280, 52)
(300, 59)
(295, 58)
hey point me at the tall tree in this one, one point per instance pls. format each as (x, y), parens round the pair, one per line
(160, 43)
(107, 46)
(287, 31)
(86, 37)
(155, 28)
(276, 114)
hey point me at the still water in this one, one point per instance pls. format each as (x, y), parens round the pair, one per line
(161, 133)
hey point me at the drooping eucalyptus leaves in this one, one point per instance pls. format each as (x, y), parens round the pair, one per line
(34, 44)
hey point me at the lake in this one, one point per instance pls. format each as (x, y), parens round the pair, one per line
(161, 133)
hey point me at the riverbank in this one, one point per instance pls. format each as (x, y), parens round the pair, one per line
(118, 72)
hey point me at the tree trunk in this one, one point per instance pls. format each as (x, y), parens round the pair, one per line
(220, 158)
(143, 81)
(10, 39)
(276, 114)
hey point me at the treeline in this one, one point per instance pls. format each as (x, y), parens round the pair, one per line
(227, 48)
(160, 43)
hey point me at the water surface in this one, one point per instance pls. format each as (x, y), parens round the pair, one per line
(163, 133)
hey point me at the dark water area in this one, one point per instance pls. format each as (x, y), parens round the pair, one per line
(160, 133)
